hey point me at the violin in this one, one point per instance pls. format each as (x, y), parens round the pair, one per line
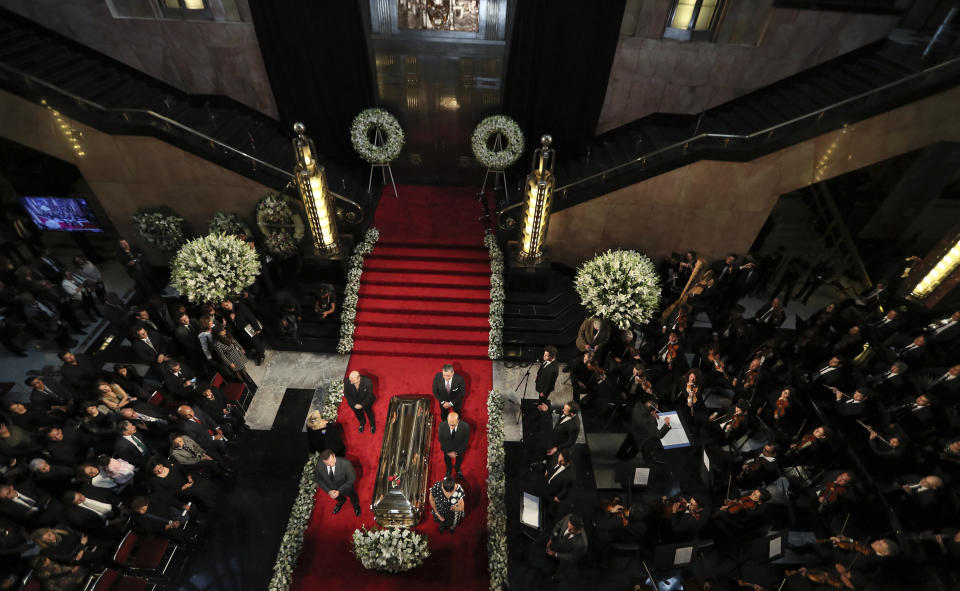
(831, 494)
(735, 422)
(845, 543)
(751, 378)
(623, 514)
(594, 368)
(682, 321)
(805, 442)
(645, 385)
(675, 505)
(821, 578)
(692, 391)
(734, 506)
(670, 354)
(781, 409)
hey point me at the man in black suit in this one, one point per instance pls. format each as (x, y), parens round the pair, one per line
(558, 478)
(150, 347)
(644, 435)
(132, 259)
(336, 478)
(358, 390)
(568, 540)
(245, 327)
(28, 506)
(195, 424)
(567, 429)
(79, 371)
(130, 446)
(454, 437)
(154, 517)
(98, 516)
(547, 373)
(180, 381)
(449, 388)
(48, 266)
(47, 395)
(186, 335)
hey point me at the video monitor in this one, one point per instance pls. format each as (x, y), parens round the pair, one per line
(61, 214)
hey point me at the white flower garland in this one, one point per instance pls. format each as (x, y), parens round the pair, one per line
(621, 286)
(390, 550)
(163, 229)
(390, 130)
(496, 489)
(348, 312)
(292, 542)
(214, 268)
(497, 296)
(510, 132)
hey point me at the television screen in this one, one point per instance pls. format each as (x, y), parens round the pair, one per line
(61, 214)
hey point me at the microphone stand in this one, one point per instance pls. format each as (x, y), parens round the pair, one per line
(524, 381)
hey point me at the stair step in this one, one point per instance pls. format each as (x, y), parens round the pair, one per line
(446, 352)
(385, 306)
(479, 268)
(423, 320)
(437, 294)
(421, 335)
(426, 280)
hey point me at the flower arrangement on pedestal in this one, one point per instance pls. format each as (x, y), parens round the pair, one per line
(281, 226)
(391, 134)
(496, 489)
(213, 268)
(391, 550)
(621, 286)
(507, 154)
(292, 542)
(348, 312)
(228, 223)
(497, 296)
(331, 404)
(160, 226)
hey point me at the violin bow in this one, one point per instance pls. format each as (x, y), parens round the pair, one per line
(842, 529)
(653, 581)
(729, 482)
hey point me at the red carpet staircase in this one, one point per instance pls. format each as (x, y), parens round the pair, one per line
(424, 300)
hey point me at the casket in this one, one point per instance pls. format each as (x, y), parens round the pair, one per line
(400, 490)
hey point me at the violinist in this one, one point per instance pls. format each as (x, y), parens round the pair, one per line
(619, 524)
(679, 320)
(782, 411)
(828, 493)
(736, 515)
(749, 377)
(638, 386)
(690, 396)
(759, 468)
(622, 352)
(714, 365)
(734, 423)
(685, 516)
(670, 356)
(583, 374)
(844, 563)
(808, 447)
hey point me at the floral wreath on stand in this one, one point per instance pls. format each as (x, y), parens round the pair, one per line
(372, 120)
(228, 223)
(281, 226)
(213, 268)
(507, 154)
(160, 226)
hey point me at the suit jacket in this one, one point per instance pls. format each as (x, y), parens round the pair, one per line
(565, 433)
(20, 513)
(362, 395)
(180, 386)
(457, 390)
(82, 375)
(558, 485)
(129, 452)
(187, 339)
(147, 354)
(199, 432)
(153, 522)
(330, 438)
(458, 442)
(55, 394)
(547, 377)
(586, 336)
(643, 426)
(343, 476)
(86, 520)
(568, 549)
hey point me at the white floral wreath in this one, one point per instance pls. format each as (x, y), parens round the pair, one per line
(393, 137)
(509, 153)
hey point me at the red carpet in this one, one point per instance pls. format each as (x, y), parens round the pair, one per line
(424, 301)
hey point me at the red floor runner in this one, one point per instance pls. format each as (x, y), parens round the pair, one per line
(404, 335)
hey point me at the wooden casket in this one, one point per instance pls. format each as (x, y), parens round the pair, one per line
(403, 479)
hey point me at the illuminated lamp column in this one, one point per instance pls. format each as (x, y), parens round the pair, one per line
(536, 215)
(312, 183)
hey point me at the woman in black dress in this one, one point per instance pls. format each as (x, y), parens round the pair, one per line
(323, 434)
(178, 487)
(446, 502)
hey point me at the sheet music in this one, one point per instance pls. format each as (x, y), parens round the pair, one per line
(641, 476)
(676, 436)
(683, 556)
(530, 515)
(775, 546)
(706, 460)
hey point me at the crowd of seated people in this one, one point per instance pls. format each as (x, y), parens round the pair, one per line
(97, 450)
(846, 427)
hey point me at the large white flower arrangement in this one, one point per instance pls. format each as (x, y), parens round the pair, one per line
(391, 550)
(214, 268)
(390, 131)
(160, 226)
(496, 489)
(621, 286)
(331, 405)
(508, 153)
(281, 226)
(228, 223)
(292, 541)
(497, 296)
(348, 312)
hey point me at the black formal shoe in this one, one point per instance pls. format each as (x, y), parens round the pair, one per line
(447, 475)
(459, 475)
(373, 429)
(361, 428)
(337, 508)
(356, 510)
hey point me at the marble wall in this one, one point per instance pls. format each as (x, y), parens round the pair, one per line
(719, 207)
(127, 172)
(756, 45)
(199, 57)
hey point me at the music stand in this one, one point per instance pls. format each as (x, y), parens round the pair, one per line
(631, 474)
(531, 515)
(705, 474)
(770, 547)
(674, 556)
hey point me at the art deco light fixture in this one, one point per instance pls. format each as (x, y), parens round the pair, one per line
(947, 264)
(312, 184)
(536, 215)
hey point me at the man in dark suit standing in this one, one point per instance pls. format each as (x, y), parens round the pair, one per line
(547, 373)
(358, 390)
(132, 259)
(643, 436)
(454, 437)
(336, 477)
(449, 388)
(79, 371)
(151, 348)
(186, 335)
(180, 381)
(567, 429)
